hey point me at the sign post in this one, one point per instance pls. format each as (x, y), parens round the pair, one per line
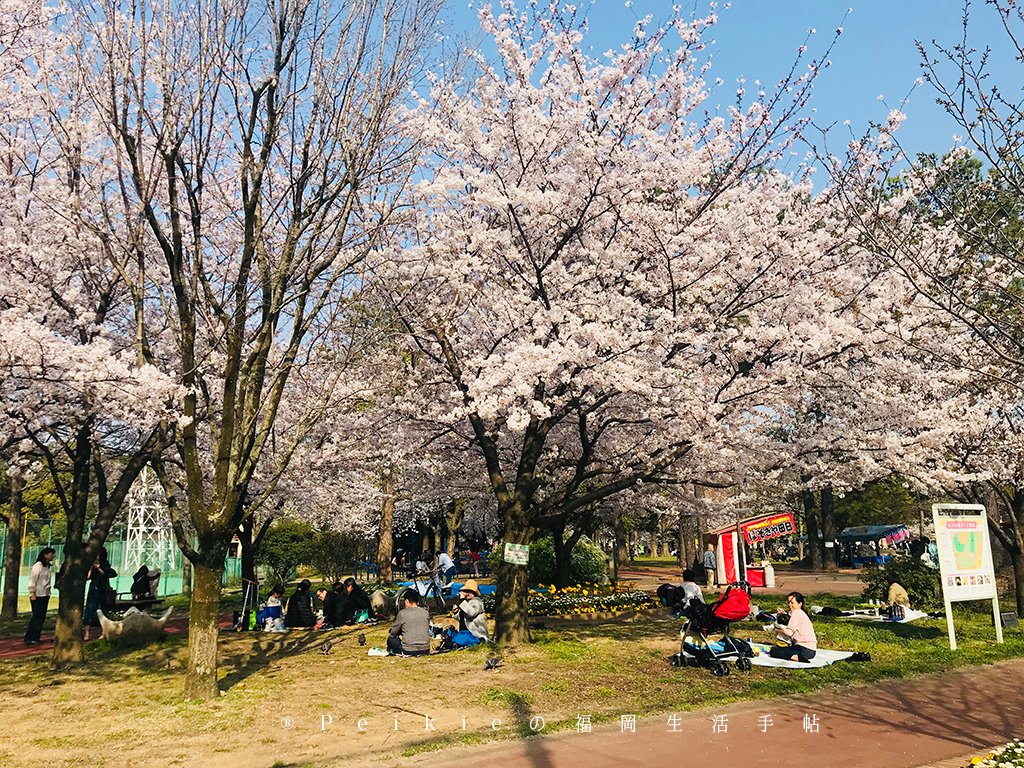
(965, 560)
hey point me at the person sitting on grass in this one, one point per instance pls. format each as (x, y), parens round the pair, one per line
(352, 602)
(410, 635)
(275, 597)
(300, 607)
(899, 600)
(470, 611)
(804, 643)
(691, 589)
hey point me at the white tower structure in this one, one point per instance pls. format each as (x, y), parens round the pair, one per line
(149, 539)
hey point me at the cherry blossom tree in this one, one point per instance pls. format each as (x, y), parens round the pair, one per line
(602, 275)
(255, 166)
(78, 392)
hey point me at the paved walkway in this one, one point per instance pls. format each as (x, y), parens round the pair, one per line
(934, 719)
(808, 582)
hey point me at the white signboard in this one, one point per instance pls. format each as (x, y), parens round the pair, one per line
(965, 559)
(517, 554)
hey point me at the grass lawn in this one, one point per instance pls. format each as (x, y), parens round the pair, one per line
(286, 703)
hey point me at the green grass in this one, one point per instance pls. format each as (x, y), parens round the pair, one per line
(602, 669)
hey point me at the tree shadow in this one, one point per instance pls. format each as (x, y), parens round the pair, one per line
(265, 647)
(961, 708)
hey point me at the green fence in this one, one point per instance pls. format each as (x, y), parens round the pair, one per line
(170, 572)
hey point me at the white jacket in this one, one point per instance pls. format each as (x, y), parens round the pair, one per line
(39, 580)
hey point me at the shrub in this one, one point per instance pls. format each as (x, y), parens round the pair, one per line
(588, 563)
(286, 546)
(920, 581)
(333, 554)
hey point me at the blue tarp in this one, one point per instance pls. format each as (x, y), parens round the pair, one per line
(485, 589)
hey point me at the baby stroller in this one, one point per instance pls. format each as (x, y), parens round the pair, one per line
(703, 620)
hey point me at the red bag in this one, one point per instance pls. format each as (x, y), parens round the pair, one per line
(734, 605)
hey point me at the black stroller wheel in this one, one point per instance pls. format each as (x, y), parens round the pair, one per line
(717, 669)
(743, 664)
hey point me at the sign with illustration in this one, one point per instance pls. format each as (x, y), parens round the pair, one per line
(965, 558)
(517, 554)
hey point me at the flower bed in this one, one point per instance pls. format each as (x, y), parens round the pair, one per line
(584, 599)
(1008, 756)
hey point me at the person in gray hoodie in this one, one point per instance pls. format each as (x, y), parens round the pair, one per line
(410, 635)
(471, 611)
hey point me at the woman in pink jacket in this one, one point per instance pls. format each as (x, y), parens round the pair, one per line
(798, 630)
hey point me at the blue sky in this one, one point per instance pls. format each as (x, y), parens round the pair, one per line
(875, 56)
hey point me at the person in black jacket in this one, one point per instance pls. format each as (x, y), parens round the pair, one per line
(299, 612)
(354, 600)
(100, 595)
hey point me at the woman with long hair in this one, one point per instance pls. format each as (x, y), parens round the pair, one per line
(39, 593)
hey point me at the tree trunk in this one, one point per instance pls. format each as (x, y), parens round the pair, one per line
(828, 514)
(386, 529)
(816, 546)
(426, 536)
(563, 556)
(186, 577)
(203, 619)
(511, 610)
(247, 550)
(663, 536)
(1017, 559)
(563, 565)
(67, 639)
(12, 552)
(688, 551)
(454, 514)
(621, 553)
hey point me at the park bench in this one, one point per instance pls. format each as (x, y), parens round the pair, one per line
(125, 600)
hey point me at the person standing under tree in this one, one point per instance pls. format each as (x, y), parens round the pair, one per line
(711, 566)
(39, 594)
(100, 596)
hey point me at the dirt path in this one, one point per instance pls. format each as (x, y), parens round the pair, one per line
(807, 582)
(15, 648)
(900, 724)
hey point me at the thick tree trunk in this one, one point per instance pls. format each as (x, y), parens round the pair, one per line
(511, 608)
(12, 552)
(828, 514)
(67, 639)
(386, 529)
(454, 514)
(563, 565)
(186, 577)
(1017, 558)
(203, 618)
(816, 546)
(688, 550)
(563, 554)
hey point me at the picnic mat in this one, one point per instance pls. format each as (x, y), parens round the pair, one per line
(822, 658)
(908, 616)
